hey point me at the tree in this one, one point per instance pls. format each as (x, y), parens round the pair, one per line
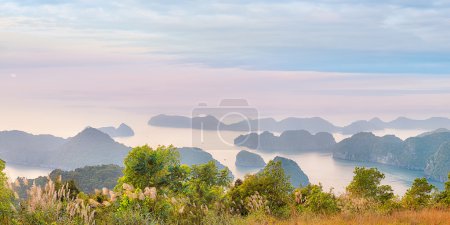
(206, 183)
(366, 184)
(6, 197)
(444, 196)
(179, 174)
(419, 195)
(271, 183)
(147, 167)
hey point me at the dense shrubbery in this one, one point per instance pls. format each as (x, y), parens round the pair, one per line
(313, 199)
(270, 186)
(156, 189)
(6, 197)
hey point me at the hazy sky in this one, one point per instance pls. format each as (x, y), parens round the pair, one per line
(340, 59)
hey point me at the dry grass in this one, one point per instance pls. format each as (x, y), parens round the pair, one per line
(423, 217)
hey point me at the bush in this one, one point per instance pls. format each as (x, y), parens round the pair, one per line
(6, 197)
(312, 199)
(271, 183)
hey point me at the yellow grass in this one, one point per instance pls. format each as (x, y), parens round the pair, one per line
(423, 217)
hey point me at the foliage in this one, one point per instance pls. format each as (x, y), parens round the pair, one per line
(201, 194)
(48, 205)
(190, 193)
(145, 167)
(444, 196)
(419, 195)
(271, 183)
(207, 184)
(89, 178)
(366, 184)
(313, 199)
(85, 179)
(6, 197)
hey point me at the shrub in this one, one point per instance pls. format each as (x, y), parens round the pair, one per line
(313, 199)
(6, 197)
(271, 183)
(48, 205)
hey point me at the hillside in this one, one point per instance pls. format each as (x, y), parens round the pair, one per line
(90, 147)
(122, 131)
(86, 179)
(438, 165)
(248, 159)
(290, 142)
(417, 153)
(312, 125)
(292, 170)
(23, 148)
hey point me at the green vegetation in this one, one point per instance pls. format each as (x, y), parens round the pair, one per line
(444, 197)
(429, 153)
(156, 188)
(313, 199)
(6, 196)
(147, 167)
(270, 186)
(419, 195)
(86, 179)
(366, 184)
(89, 178)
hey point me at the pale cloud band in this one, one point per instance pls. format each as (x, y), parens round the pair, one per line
(389, 36)
(332, 58)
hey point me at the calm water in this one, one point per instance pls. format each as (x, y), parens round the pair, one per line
(14, 170)
(321, 168)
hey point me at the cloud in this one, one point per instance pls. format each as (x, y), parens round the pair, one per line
(163, 87)
(389, 36)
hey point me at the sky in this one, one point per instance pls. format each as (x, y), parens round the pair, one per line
(63, 61)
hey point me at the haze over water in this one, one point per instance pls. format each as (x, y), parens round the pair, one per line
(321, 168)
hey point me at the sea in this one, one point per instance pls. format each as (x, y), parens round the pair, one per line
(333, 174)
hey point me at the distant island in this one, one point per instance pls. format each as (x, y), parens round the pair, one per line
(90, 147)
(296, 175)
(429, 152)
(250, 160)
(291, 142)
(312, 125)
(401, 123)
(122, 131)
